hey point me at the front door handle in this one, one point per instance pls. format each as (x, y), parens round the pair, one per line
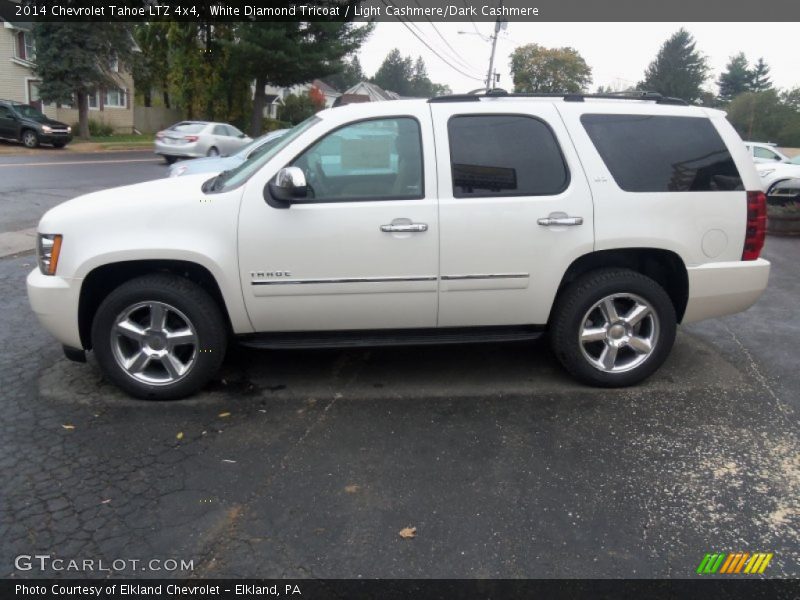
(404, 228)
(565, 220)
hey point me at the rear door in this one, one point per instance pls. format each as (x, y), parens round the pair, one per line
(515, 210)
(8, 125)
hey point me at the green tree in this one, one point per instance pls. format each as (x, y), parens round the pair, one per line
(760, 77)
(791, 98)
(535, 68)
(395, 73)
(736, 79)
(350, 75)
(762, 116)
(296, 108)
(292, 52)
(679, 69)
(75, 59)
(151, 65)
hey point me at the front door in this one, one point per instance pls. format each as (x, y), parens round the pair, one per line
(362, 251)
(515, 210)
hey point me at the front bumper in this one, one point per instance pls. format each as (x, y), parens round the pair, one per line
(55, 138)
(725, 288)
(54, 301)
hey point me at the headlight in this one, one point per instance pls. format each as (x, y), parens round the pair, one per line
(48, 247)
(47, 129)
(178, 171)
(69, 129)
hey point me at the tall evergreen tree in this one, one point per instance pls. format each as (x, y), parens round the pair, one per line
(292, 52)
(760, 77)
(395, 73)
(75, 59)
(679, 69)
(350, 75)
(736, 78)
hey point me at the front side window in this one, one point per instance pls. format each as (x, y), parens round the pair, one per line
(504, 155)
(379, 159)
(760, 152)
(650, 153)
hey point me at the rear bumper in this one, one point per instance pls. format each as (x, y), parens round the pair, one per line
(194, 150)
(725, 288)
(54, 301)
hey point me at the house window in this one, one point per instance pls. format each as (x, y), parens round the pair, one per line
(114, 65)
(25, 47)
(94, 100)
(115, 98)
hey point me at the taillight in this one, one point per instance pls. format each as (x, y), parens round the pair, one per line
(756, 225)
(190, 138)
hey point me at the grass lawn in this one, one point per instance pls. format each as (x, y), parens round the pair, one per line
(118, 139)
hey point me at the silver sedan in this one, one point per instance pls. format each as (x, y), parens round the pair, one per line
(193, 139)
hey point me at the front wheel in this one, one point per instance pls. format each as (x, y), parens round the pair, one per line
(159, 337)
(613, 327)
(30, 139)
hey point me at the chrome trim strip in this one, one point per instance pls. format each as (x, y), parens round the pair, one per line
(346, 280)
(486, 276)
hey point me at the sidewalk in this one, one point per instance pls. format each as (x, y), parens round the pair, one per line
(16, 242)
(10, 149)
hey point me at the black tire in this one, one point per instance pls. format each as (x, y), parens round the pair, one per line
(29, 138)
(170, 159)
(573, 306)
(213, 151)
(196, 305)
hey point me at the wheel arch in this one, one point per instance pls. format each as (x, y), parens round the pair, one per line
(663, 266)
(102, 280)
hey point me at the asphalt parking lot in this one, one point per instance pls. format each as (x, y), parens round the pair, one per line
(309, 463)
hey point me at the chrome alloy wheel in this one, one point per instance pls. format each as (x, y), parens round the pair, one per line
(154, 343)
(619, 333)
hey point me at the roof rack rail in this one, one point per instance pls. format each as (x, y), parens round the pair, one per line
(567, 97)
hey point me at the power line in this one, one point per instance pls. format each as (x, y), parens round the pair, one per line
(444, 60)
(454, 54)
(469, 16)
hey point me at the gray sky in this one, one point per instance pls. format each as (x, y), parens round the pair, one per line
(618, 53)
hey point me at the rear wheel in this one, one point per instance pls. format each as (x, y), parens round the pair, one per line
(30, 139)
(212, 151)
(159, 337)
(613, 327)
(170, 159)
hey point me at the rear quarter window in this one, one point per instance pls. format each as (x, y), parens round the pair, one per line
(653, 153)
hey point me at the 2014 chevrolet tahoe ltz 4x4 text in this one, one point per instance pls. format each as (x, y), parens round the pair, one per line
(605, 221)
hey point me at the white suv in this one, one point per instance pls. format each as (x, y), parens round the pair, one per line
(606, 221)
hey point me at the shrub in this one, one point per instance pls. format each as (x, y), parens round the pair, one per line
(96, 128)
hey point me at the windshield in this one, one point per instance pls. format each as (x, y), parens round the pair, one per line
(238, 175)
(28, 111)
(268, 140)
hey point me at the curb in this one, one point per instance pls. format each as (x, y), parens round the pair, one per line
(17, 242)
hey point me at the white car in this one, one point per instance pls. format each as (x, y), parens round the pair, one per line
(606, 222)
(766, 153)
(193, 139)
(773, 174)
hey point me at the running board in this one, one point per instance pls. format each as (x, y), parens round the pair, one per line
(389, 337)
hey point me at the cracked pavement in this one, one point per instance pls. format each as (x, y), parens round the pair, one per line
(505, 466)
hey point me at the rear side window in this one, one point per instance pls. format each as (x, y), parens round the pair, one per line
(504, 155)
(648, 153)
(189, 127)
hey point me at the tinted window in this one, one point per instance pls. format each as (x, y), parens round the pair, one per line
(4, 112)
(379, 159)
(221, 130)
(504, 155)
(647, 153)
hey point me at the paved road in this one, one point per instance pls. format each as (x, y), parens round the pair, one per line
(30, 185)
(505, 467)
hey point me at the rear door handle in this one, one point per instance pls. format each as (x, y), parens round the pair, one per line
(569, 221)
(404, 228)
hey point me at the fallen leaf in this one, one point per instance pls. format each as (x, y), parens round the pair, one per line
(408, 532)
(352, 488)
(106, 501)
(68, 426)
(179, 436)
(222, 415)
(226, 460)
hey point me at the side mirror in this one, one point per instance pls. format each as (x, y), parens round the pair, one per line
(287, 187)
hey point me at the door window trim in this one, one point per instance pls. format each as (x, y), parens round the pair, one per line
(567, 171)
(385, 198)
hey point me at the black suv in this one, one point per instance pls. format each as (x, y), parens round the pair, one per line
(26, 124)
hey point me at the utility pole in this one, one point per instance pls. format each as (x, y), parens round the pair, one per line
(490, 75)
